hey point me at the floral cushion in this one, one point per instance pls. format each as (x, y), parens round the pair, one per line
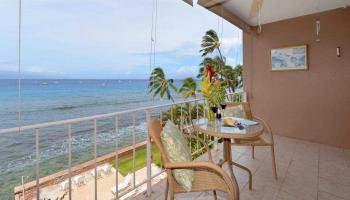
(235, 111)
(177, 150)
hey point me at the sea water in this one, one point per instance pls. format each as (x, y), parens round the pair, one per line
(52, 100)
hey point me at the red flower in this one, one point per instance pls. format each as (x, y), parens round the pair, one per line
(211, 73)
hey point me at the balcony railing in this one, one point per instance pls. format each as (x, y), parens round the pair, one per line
(148, 112)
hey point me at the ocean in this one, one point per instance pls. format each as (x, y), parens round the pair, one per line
(52, 100)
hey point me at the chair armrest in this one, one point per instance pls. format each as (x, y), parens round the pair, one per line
(196, 164)
(231, 183)
(263, 122)
(203, 143)
(265, 125)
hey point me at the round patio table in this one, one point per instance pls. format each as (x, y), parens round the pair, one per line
(217, 128)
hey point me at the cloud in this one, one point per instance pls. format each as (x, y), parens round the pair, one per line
(28, 69)
(38, 69)
(232, 43)
(8, 67)
(88, 37)
(234, 61)
(187, 70)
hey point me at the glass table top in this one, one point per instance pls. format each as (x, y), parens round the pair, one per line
(217, 126)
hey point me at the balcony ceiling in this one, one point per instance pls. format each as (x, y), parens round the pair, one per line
(276, 10)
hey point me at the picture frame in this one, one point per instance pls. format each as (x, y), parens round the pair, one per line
(289, 58)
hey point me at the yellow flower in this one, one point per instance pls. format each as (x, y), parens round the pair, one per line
(205, 85)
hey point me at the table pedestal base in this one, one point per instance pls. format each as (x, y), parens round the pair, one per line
(228, 158)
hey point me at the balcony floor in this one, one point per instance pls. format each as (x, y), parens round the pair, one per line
(305, 171)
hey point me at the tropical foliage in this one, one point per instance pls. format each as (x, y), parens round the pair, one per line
(213, 92)
(217, 77)
(231, 77)
(214, 63)
(210, 43)
(188, 88)
(159, 85)
(189, 112)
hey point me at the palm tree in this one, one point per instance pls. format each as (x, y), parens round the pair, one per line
(189, 112)
(159, 85)
(188, 88)
(210, 42)
(230, 77)
(215, 63)
(233, 77)
(238, 76)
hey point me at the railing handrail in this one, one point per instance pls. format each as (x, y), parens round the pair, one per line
(99, 116)
(92, 117)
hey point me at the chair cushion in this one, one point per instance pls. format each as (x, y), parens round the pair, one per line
(235, 111)
(177, 150)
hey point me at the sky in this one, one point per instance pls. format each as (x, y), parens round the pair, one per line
(108, 39)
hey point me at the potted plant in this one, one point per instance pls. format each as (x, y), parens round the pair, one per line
(213, 92)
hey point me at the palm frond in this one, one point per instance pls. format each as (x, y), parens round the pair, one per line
(210, 42)
(159, 85)
(188, 88)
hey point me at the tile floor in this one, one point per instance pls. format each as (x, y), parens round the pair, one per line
(306, 171)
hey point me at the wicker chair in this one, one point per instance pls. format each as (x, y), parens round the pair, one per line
(259, 141)
(207, 175)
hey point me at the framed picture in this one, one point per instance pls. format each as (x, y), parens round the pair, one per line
(289, 58)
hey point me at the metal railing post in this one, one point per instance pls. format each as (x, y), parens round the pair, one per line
(197, 111)
(171, 113)
(23, 189)
(95, 156)
(37, 161)
(189, 113)
(244, 97)
(206, 109)
(133, 149)
(181, 125)
(70, 160)
(161, 112)
(149, 158)
(116, 156)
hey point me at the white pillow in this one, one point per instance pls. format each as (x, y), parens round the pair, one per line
(177, 150)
